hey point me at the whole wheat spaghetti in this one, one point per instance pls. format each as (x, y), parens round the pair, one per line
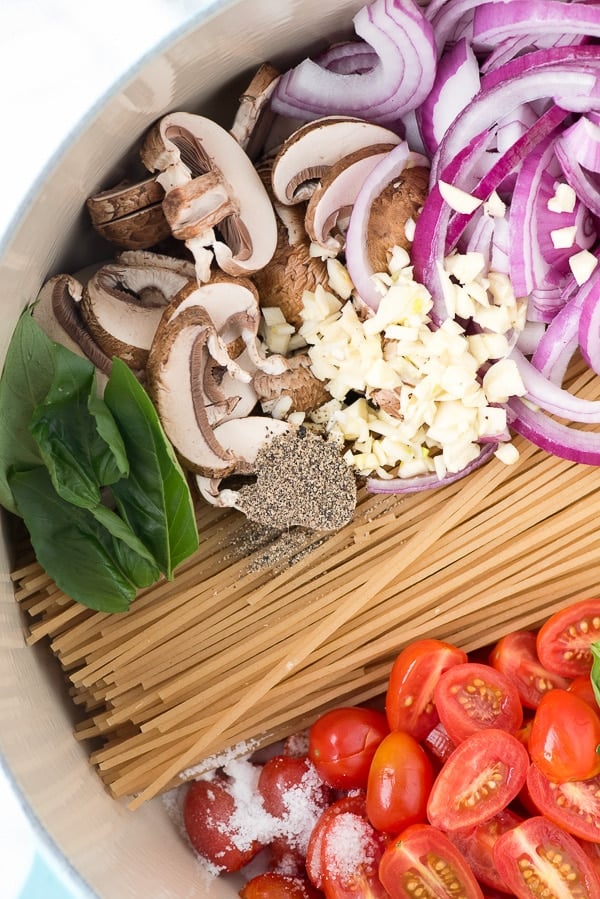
(259, 633)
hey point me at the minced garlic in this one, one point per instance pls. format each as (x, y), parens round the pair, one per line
(408, 399)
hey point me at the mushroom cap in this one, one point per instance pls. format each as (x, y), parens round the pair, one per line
(122, 305)
(313, 148)
(401, 200)
(130, 215)
(197, 147)
(334, 196)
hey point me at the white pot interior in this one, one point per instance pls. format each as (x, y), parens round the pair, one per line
(117, 853)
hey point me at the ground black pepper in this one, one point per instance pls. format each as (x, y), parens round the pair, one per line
(301, 480)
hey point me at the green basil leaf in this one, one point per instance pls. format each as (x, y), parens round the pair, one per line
(595, 672)
(155, 499)
(85, 560)
(79, 459)
(26, 378)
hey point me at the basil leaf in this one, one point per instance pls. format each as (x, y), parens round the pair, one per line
(85, 560)
(26, 379)
(595, 672)
(155, 499)
(67, 427)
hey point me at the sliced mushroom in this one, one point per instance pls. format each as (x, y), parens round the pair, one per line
(254, 117)
(292, 268)
(122, 304)
(305, 391)
(184, 357)
(210, 184)
(329, 206)
(57, 310)
(233, 306)
(130, 215)
(307, 155)
(243, 438)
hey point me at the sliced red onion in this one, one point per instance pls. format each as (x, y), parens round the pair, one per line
(348, 58)
(403, 75)
(585, 184)
(451, 20)
(554, 399)
(559, 342)
(456, 83)
(496, 22)
(555, 438)
(429, 481)
(569, 73)
(516, 46)
(514, 126)
(390, 167)
(589, 326)
(582, 142)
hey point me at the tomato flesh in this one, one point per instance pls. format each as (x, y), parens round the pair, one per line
(538, 855)
(399, 783)
(477, 846)
(409, 702)
(422, 861)
(515, 655)
(474, 696)
(574, 806)
(564, 738)
(482, 776)
(563, 641)
(342, 743)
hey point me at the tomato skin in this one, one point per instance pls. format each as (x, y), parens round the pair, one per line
(208, 808)
(342, 743)
(473, 696)
(438, 743)
(477, 845)
(565, 737)
(574, 806)
(354, 804)
(399, 783)
(486, 757)
(563, 641)
(582, 686)
(515, 655)
(528, 851)
(411, 857)
(283, 783)
(409, 703)
(278, 886)
(344, 852)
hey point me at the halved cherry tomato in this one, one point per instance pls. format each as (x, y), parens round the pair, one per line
(563, 641)
(473, 696)
(477, 845)
(515, 655)
(342, 743)
(423, 862)
(278, 886)
(399, 784)
(574, 806)
(344, 852)
(482, 776)
(538, 852)
(565, 737)
(209, 819)
(582, 687)
(409, 702)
